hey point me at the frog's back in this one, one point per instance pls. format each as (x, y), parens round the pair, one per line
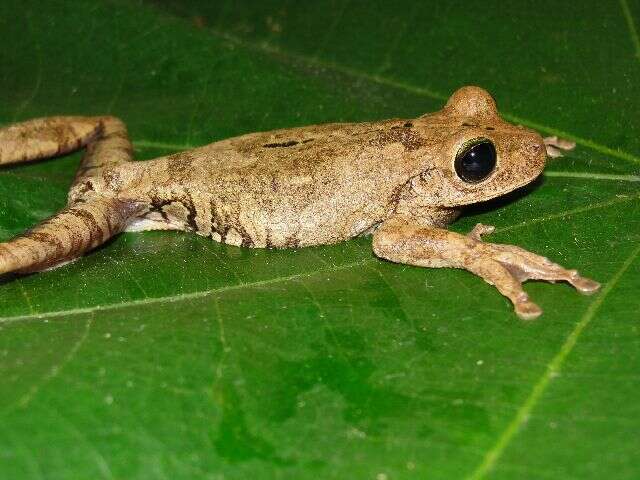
(294, 187)
(305, 150)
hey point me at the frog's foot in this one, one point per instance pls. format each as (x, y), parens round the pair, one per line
(508, 266)
(555, 146)
(407, 240)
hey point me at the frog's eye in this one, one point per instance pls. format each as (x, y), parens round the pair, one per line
(475, 160)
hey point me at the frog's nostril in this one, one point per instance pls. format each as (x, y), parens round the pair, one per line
(535, 148)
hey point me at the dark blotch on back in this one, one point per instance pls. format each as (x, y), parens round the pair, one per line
(290, 143)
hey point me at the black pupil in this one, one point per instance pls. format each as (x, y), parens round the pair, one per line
(476, 162)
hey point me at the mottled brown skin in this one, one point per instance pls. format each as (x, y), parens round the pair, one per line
(296, 187)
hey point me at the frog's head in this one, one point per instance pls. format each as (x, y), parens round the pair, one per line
(480, 156)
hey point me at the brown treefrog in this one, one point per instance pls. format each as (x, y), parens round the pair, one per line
(402, 181)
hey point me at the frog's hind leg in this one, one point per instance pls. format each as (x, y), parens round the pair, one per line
(112, 148)
(46, 137)
(106, 140)
(90, 219)
(66, 235)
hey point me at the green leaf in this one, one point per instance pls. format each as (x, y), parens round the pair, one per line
(167, 355)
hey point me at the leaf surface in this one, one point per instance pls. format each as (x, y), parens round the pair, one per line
(167, 355)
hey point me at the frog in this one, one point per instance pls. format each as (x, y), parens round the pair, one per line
(400, 181)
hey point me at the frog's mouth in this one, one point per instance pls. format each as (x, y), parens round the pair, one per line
(511, 181)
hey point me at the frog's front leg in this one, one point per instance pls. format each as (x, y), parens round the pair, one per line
(555, 146)
(403, 239)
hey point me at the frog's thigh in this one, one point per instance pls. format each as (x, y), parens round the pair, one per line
(400, 241)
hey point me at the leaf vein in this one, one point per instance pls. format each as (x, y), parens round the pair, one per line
(178, 297)
(573, 211)
(633, 33)
(54, 371)
(267, 48)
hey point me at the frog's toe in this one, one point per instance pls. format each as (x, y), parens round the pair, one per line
(479, 230)
(555, 272)
(527, 310)
(555, 146)
(586, 286)
(526, 265)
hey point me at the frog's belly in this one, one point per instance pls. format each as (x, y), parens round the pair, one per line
(255, 227)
